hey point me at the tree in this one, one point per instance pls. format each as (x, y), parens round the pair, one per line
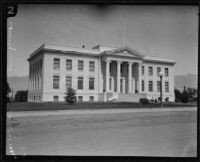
(184, 96)
(8, 90)
(177, 95)
(70, 96)
(21, 96)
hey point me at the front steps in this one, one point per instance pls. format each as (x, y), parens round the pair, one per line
(129, 97)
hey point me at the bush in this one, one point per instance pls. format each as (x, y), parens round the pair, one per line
(21, 96)
(144, 101)
(167, 99)
(70, 96)
(177, 100)
(152, 100)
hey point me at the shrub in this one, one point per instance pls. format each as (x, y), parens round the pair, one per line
(21, 96)
(70, 96)
(144, 101)
(177, 100)
(167, 99)
(152, 100)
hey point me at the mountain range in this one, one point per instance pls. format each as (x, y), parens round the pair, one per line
(189, 80)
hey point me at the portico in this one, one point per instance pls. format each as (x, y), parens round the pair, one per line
(122, 76)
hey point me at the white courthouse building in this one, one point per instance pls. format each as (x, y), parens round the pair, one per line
(98, 74)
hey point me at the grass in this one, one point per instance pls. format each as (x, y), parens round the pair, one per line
(26, 106)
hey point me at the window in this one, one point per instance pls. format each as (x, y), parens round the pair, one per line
(55, 82)
(91, 65)
(56, 63)
(69, 64)
(80, 82)
(91, 98)
(55, 98)
(143, 85)
(166, 72)
(68, 82)
(150, 71)
(150, 86)
(91, 83)
(80, 65)
(158, 86)
(142, 70)
(166, 86)
(80, 98)
(158, 71)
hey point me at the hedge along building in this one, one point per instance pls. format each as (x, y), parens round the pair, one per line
(98, 74)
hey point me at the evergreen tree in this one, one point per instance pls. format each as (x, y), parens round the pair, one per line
(70, 96)
(184, 96)
(177, 95)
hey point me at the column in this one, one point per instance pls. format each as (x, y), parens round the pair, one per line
(36, 80)
(139, 77)
(130, 77)
(31, 83)
(40, 82)
(107, 74)
(118, 75)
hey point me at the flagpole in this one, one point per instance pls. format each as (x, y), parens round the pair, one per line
(124, 22)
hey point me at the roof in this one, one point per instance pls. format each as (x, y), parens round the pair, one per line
(48, 47)
(158, 59)
(125, 49)
(71, 49)
(96, 51)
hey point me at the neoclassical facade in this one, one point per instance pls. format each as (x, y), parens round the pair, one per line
(98, 74)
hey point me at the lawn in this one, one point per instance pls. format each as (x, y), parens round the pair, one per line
(25, 106)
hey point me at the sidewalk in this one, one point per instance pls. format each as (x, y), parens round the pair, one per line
(95, 111)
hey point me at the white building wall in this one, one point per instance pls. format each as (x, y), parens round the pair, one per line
(46, 91)
(35, 80)
(155, 78)
(49, 92)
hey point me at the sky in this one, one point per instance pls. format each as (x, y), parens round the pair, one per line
(163, 31)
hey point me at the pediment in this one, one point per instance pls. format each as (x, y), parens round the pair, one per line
(124, 52)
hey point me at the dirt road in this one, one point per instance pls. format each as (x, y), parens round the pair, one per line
(121, 134)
